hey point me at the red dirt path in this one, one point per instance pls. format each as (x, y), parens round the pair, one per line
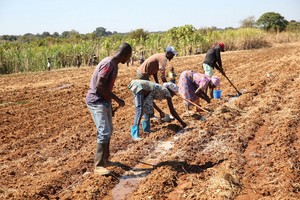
(246, 149)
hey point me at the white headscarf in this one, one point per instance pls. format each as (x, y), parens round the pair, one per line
(171, 86)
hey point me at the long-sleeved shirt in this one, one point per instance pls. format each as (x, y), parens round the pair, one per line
(213, 57)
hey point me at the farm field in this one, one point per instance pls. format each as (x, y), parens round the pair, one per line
(247, 148)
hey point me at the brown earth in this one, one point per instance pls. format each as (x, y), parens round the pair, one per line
(248, 148)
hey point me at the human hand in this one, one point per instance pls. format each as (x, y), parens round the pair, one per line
(114, 111)
(222, 72)
(162, 115)
(121, 102)
(207, 99)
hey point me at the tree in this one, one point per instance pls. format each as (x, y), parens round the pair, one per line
(272, 21)
(183, 32)
(138, 34)
(249, 22)
(293, 26)
(9, 37)
(28, 37)
(183, 35)
(45, 34)
(55, 34)
(65, 34)
(70, 33)
(100, 31)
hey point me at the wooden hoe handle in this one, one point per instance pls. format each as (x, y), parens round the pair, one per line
(194, 104)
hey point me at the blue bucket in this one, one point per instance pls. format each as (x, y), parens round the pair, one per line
(217, 94)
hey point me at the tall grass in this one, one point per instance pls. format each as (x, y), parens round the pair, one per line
(283, 37)
(32, 56)
(20, 57)
(245, 38)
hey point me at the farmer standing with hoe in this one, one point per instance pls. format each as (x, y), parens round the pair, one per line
(98, 100)
(213, 60)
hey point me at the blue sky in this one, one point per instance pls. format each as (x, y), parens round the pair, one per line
(18, 17)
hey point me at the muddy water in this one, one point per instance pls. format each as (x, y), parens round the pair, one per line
(233, 98)
(130, 179)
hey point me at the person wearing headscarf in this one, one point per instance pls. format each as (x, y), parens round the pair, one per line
(144, 92)
(193, 85)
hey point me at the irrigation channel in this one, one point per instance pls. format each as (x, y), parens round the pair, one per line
(130, 179)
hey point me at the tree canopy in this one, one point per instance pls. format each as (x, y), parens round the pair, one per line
(293, 26)
(249, 22)
(138, 34)
(272, 21)
(101, 31)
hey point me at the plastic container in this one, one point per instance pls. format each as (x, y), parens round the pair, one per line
(217, 94)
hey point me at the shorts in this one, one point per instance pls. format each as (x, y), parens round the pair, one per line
(208, 70)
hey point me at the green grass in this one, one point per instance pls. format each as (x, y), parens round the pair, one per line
(32, 56)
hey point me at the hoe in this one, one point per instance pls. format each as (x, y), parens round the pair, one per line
(238, 93)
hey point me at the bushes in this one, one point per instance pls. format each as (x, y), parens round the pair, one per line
(32, 55)
(22, 57)
(244, 39)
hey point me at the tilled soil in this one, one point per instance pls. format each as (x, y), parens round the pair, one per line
(247, 148)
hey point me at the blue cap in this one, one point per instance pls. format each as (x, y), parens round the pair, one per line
(171, 49)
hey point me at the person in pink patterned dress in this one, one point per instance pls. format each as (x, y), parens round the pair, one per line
(193, 86)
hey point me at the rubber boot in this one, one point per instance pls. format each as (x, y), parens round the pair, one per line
(146, 126)
(135, 133)
(106, 155)
(106, 160)
(99, 160)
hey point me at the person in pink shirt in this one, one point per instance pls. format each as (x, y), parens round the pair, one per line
(193, 86)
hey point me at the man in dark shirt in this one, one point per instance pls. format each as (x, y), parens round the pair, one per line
(213, 59)
(98, 100)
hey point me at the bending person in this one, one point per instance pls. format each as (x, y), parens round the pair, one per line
(193, 86)
(144, 93)
(154, 64)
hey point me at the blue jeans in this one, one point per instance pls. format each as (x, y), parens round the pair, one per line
(139, 106)
(102, 117)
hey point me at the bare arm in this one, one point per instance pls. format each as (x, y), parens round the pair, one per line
(211, 93)
(221, 70)
(161, 113)
(199, 92)
(105, 92)
(174, 113)
(155, 77)
(163, 75)
(219, 62)
(163, 79)
(162, 70)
